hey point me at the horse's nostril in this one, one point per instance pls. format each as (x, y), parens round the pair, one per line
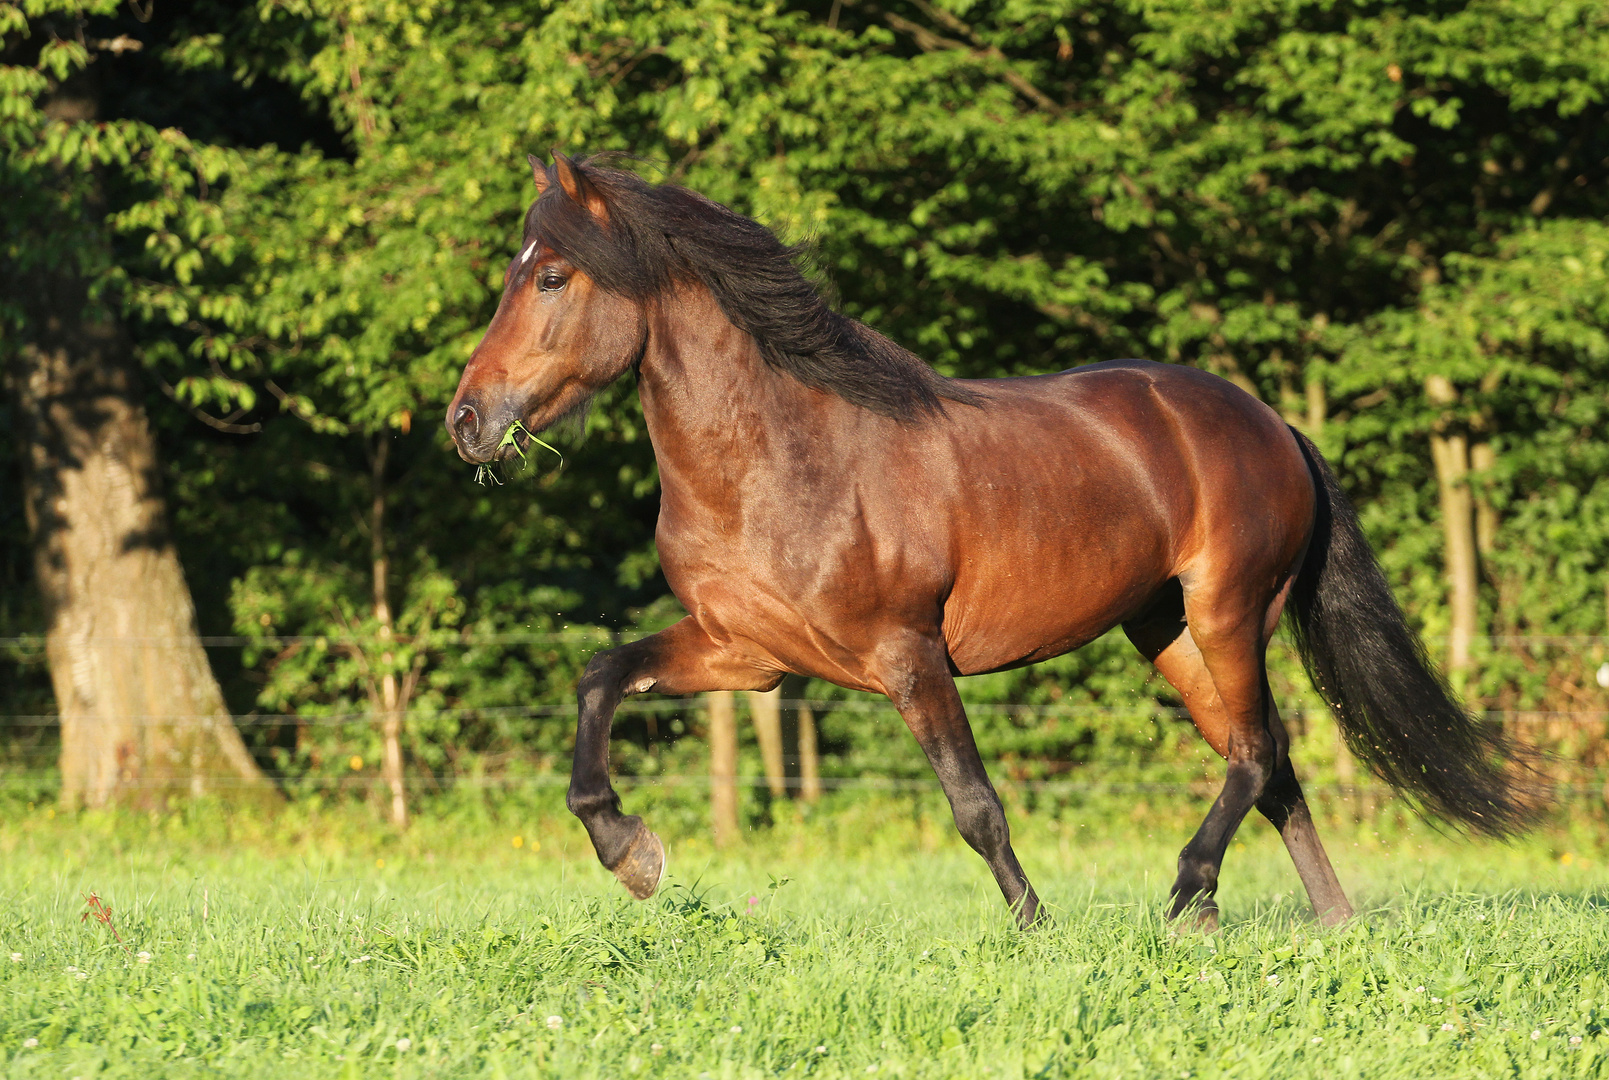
(467, 422)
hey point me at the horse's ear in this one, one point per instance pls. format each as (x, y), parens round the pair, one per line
(583, 192)
(539, 173)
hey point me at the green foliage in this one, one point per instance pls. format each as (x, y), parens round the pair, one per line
(1520, 334)
(1326, 203)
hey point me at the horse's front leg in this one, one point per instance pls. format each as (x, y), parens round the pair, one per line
(680, 660)
(915, 673)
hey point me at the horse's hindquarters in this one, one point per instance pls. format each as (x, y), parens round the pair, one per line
(1075, 498)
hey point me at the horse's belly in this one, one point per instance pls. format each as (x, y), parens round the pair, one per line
(1035, 609)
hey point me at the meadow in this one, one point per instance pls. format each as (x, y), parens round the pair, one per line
(862, 942)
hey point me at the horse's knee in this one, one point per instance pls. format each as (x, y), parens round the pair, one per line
(601, 682)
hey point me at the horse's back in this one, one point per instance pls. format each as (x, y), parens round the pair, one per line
(1152, 420)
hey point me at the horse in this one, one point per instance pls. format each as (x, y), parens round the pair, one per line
(833, 507)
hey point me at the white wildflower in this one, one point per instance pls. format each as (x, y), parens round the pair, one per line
(1575, 1040)
(555, 1023)
(656, 1048)
(737, 1029)
(1273, 980)
(1447, 1027)
(361, 959)
(1317, 1039)
(404, 1045)
(1418, 989)
(16, 958)
(1536, 1035)
(29, 1044)
(143, 957)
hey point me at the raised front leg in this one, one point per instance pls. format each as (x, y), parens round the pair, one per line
(680, 660)
(918, 682)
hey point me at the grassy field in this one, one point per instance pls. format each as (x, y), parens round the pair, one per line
(867, 942)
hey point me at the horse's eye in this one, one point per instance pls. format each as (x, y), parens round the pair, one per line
(552, 281)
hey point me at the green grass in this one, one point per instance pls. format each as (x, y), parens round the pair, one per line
(284, 950)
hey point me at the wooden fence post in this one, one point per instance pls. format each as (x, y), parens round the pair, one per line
(766, 709)
(723, 767)
(809, 756)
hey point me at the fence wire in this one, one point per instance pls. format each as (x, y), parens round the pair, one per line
(594, 637)
(695, 702)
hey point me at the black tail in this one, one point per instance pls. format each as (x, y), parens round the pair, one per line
(1396, 712)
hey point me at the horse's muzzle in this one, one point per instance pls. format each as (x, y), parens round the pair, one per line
(469, 434)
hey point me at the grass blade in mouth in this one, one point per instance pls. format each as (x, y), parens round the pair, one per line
(511, 438)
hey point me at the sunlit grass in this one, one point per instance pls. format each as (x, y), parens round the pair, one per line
(869, 943)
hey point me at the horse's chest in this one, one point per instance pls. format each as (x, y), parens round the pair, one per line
(787, 557)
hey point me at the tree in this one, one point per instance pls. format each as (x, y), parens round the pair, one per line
(1501, 368)
(142, 718)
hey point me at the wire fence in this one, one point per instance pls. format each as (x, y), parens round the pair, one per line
(1200, 786)
(683, 704)
(1574, 776)
(598, 636)
(444, 637)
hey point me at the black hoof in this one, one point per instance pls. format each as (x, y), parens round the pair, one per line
(1198, 911)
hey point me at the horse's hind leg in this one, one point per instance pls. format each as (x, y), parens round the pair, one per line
(1166, 641)
(1282, 803)
(1248, 746)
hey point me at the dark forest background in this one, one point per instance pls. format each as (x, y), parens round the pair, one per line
(269, 234)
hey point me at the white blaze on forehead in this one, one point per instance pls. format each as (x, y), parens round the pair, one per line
(525, 255)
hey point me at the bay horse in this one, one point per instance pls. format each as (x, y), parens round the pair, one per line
(833, 507)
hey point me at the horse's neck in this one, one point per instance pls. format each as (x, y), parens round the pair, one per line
(715, 409)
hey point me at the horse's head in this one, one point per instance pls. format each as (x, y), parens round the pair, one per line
(558, 336)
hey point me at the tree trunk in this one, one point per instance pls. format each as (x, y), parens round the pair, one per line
(1318, 406)
(723, 767)
(1482, 459)
(1449, 450)
(1346, 768)
(800, 732)
(766, 709)
(142, 718)
(391, 703)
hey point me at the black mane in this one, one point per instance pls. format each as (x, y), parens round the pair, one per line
(661, 233)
